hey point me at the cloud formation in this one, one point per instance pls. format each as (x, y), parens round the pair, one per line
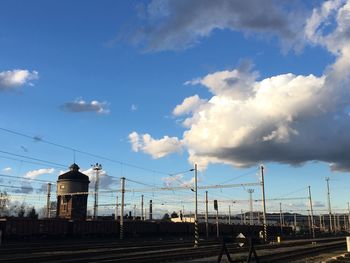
(156, 148)
(35, 173)
(16, 78)
(80, 105)
(287, 118)
(174, 25)
(7, 169)
(105, 180)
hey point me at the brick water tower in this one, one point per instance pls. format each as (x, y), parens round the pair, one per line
(72, 194)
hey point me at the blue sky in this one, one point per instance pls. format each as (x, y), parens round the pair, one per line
(94, 73)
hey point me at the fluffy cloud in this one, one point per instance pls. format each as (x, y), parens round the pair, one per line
(156, 148)
(105, 180)
(173, 25)
(35, 173)
(16, 78)
(80, 105)
(188, 105)
(7, 169)
(286, 118)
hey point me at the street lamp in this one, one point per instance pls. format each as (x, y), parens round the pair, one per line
(97, 167)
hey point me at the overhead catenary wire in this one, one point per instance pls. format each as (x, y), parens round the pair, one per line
(35, 159)
(74, 150)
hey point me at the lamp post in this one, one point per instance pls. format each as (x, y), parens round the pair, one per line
(96, 167)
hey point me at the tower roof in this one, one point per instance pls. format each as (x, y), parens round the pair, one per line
(74, 174)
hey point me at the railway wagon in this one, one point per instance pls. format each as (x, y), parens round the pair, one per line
(140, 228)
(173, 229)
(53, 227)
(17, 228)
(94, 228)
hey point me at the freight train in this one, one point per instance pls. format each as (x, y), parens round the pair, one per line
(24, 228)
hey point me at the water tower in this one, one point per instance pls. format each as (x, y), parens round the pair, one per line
(72, 194)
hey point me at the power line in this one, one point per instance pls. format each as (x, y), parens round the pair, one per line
(25, 178)
(35, 138)
(239, 176)
(35, 159)
(24, 161)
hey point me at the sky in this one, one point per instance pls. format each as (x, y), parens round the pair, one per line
(150, 88)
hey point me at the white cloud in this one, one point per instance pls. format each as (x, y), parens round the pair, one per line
(188, 105)
(105, 180)
(133, 107)
(35, 173)
(16, 78)
(80, 105)
(7, 169)
(286, 118)
(156, 148)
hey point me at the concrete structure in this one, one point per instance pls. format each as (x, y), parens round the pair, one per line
(72, 194)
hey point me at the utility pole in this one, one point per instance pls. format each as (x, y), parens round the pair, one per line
(229, 215)
(122, 184)
(263, 202)
(312, 214)
(48, 202)
(150, 210)
(281, 223)
(97, 167)
(206, 214)
(142, 208)
(216, 207)
(329, 206)
(251, 218)
(349, 214)
(196, 232)
(116, 209)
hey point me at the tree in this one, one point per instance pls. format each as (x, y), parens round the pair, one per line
(21, 211)
(32, 213)
(4, 202)
(174, 215)
(166, 217)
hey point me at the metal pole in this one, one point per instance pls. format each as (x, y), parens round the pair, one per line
(263, 202)
(229, 215)
(196, 232)
(312, 214)
(281, 224)
(217, 223)
(122, 183)
(97, 167)
(48, 202)
(251, 191)
(116, 209)
(142, 208)
(349, 214)
(329, 206)
(150, 210)
(206, 214)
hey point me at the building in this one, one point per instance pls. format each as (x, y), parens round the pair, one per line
(72, 194)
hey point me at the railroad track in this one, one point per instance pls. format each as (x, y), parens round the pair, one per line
(158, 252)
